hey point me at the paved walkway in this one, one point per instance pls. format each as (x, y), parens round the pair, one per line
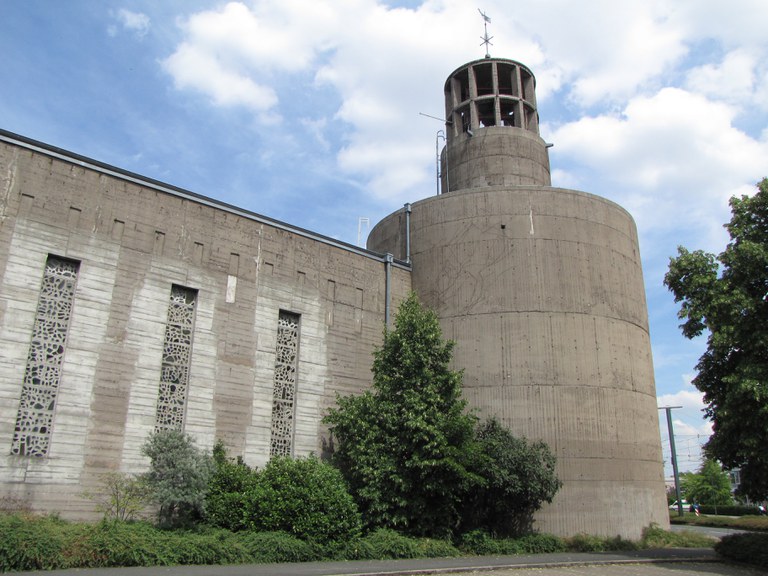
(668, 562)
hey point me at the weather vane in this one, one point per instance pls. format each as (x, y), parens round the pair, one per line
(485, 38)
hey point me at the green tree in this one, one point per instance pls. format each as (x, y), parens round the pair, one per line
(519, 476)
(709, 486)
(406, 447)
(727, 296)
(178, 476)
(119, 496)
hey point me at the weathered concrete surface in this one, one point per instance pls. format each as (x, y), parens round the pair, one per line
(135, 239)
(542, 290)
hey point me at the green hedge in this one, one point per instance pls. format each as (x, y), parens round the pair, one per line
(747, 548)
(729, 510)
(47, 543)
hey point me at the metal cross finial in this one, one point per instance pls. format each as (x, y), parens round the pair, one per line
(485, 38)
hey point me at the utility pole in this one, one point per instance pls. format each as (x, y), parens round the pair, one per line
(674, 456)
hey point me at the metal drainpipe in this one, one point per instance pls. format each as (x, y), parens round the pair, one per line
(408, 232)
(388, 267)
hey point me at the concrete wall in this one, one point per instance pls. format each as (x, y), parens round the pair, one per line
(134, 238)
(495, 156)
(542, 290)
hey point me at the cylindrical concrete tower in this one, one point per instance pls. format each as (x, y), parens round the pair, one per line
(542, 290)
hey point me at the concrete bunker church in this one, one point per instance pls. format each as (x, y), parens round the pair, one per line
(127, 304)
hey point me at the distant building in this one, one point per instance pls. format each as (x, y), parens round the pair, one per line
(129, 305)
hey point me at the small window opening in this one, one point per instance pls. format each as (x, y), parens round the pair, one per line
(464, 119)
(462, 85)
(486, 112)
(526, 80)
(507, 81)
(507, 109)
(484, 79)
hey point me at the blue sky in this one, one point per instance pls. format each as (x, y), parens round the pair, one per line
(300, 109)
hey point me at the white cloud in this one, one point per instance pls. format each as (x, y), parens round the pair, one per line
(200, 70)
(739, 78)
(673, 159)
(134, 21)
(661, 137)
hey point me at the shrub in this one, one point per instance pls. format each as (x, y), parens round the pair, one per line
(216, 547)
(656, 537)
(32, 543)
(729, 510)
(589, 543)
(226, 501)
(357, 549)
(268, 547)
(518, 477)
(479, 542)
(586, 543)
(388, 544)
(178, 476)
(306, 498)
(436, 548)
(541, 544)
(112, 543)
(748, 548)
(119, 496)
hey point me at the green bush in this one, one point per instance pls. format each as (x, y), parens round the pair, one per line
(357, 549)
(518, 477)
(207, 548)
(113, 543)
(32, 543)
(541, 544)
(729, 510)
(268, 547)
(479, 542)
(388, 544)
(748, 548)
(306, 498)
(178, 476)
(586, 543)
(656, 537)
(226, 501)
(436, 548)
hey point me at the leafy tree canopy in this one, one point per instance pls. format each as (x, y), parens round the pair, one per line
(407, 446)
(709, 486)
(727, 296)
(519, 476)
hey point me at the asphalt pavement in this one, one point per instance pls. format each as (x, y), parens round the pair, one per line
(666, 562)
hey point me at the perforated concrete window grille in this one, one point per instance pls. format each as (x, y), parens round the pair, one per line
(42, 374)
(177, 353)
(284, 395)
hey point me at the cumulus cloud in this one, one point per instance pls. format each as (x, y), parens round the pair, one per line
(672, 158)
(230, 54)
(194, 68)
(135, 22)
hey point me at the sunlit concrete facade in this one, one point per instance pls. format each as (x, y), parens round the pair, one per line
(128, 305)
(542, 290)
(87, 365)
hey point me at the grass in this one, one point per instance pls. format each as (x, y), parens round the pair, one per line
(754, 523)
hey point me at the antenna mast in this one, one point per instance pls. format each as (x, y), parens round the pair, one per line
(485, 38)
